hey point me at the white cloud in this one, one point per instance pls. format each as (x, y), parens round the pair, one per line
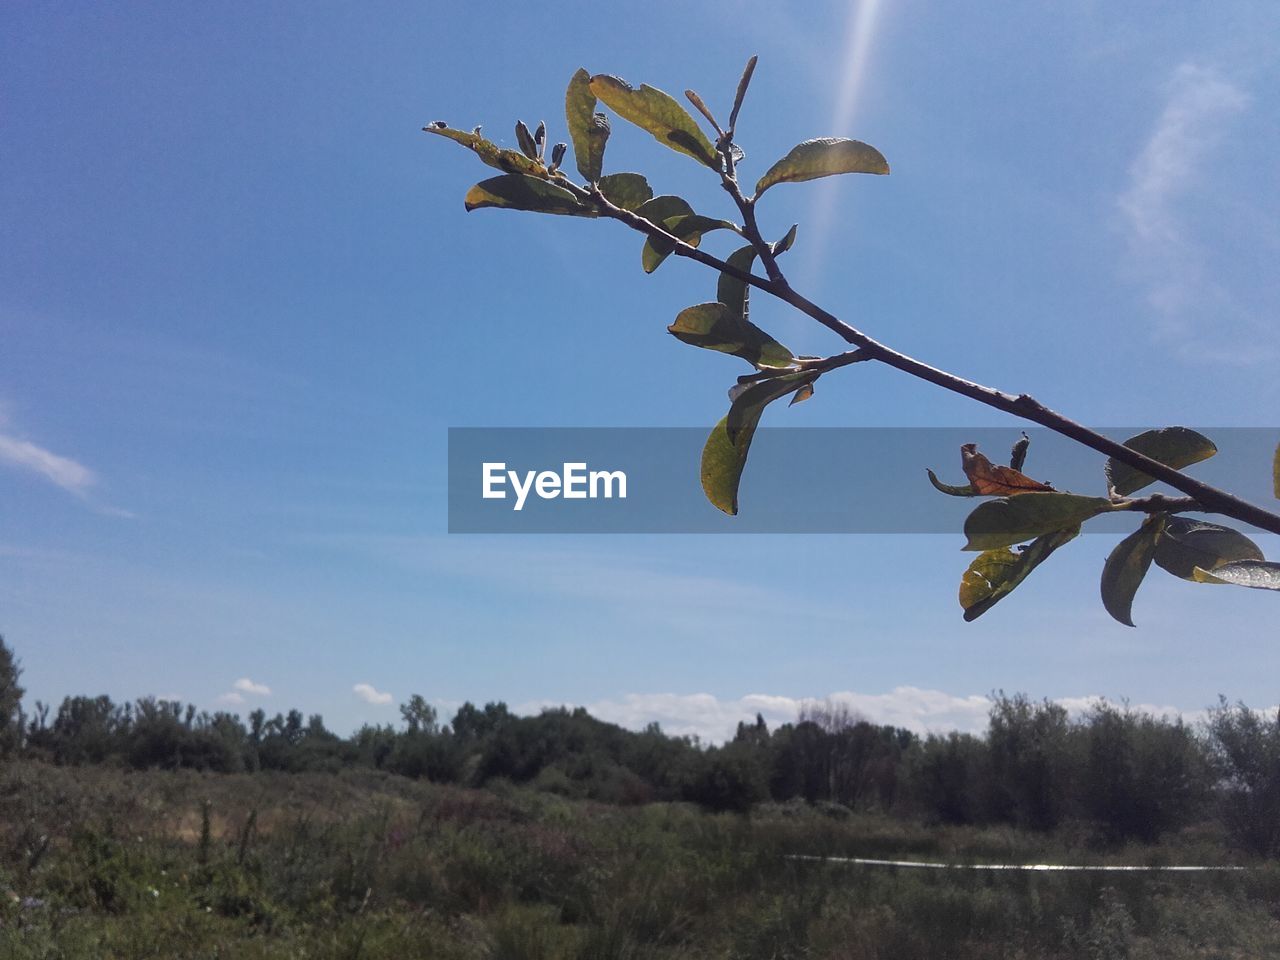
(63, 472)
(367, 693)
(1171, 172)
(245, 685)
(230, 698)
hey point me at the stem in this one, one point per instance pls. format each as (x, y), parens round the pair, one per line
(1209, 498)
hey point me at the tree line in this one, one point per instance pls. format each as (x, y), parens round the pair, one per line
(1126, 774)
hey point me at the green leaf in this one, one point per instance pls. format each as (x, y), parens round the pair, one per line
(659, 113)
(788, 240)
(1258, 574)
(824, 157)
(511, 161)
(731, 291)
(1186, 544)
(750, 401)
(586, 130)
(1126, 567)
(525, 139)
(726, 449)
(713, 326)
(950, 489)
(994, 574)
(688, 228)
(1010, 520)
(517, 192)
(1175, 447)
(626, 190)
(664, 208)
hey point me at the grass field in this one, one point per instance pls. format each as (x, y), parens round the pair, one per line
(98, 862)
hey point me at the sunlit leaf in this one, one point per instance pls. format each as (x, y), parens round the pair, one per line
(731, 291)
(714, 326)
(749, 402)
(1175, 447)
(994, 574)
(824, 157)
(801, 395)
(1259, 574)
(950, 489)
(1126, 567)
(1004, 522)
(664, 208)
(626, 190)
(991, 480)
(1186, 544)
(688, 228)
(586, 129)
(512, 161)
(788, 240)
(659, 113)
(517, 192)
(726, 449)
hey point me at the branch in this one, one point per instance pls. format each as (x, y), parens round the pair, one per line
(1209, 499)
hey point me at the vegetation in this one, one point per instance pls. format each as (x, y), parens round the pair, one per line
(150, 829)
(1023, 512)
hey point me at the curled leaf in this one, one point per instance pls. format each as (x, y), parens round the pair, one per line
(525, 139)
(1018, 456)
(823, 157)
(659, 113)
(994, 574)
(517, 192)
(1002, 523)
(1259, 574)
(991, 480)
(732, 292)
(714, 326)
(585, 130)
(1187, 544)
(1175, 447)
(1126, 567)
(950, 489)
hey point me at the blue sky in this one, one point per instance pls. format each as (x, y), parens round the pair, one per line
(241, 303)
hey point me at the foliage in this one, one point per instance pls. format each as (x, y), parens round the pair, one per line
(369, 865)
(1028, 520)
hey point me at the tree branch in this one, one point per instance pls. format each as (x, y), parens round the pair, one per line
(1209, 499)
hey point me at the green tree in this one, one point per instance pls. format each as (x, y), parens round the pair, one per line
(11, 719)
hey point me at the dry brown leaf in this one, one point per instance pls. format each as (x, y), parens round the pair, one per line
(992, 480)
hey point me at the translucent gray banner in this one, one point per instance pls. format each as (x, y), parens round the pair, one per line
(827, 480)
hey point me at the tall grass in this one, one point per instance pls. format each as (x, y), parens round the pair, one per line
(100, 863)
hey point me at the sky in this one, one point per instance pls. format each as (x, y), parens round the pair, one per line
(241, 304)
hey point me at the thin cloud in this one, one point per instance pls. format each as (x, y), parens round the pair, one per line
(245, 685)
(369, 694)
(73, 477)
(231, 698)
(1194, 312)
